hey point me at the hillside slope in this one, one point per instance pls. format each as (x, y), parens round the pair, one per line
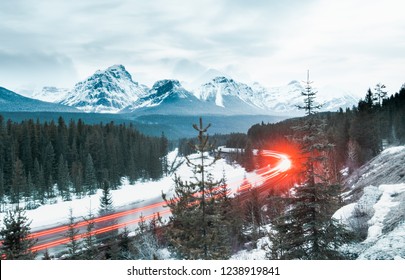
(376, 207)
(13, 102)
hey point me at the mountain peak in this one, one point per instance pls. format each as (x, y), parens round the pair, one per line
(222, 79)
(108, 91)
(166, 87)
(117, 71)
(162, 93)
(119, 67)
(167, 84)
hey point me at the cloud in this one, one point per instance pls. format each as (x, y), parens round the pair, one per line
(35, 69)
(347, 42)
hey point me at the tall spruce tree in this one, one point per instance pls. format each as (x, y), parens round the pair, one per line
(380, 93)
(106, 207)
(72, 233)
(194, 228)
(90, 180)
(106, 202)
(2, 191)
(125, 245)
(64, 179)
(16, 243)
(307, 230)
(90, 241)
(19, 181)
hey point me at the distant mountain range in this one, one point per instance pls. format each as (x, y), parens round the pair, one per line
(114, 91)
(13, 102)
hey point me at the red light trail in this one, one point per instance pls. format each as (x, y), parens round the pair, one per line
(262, 175)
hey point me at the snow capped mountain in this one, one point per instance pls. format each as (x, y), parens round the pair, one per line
(168, 97)
(113, 91)
(333, 98)
(13, 102)
(284, 99)
(51, 94)
(281, 99)
(222, 88)
(225, 96)
(106, 91)
(163, 91)
(227, 93)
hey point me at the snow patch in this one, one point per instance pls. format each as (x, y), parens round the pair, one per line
(258, 253)
(344, 213)
(393, 150)
(386, 227)
(382, 208)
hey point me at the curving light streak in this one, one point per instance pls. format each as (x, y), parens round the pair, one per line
(284, 164)
(97, 220)
(95, 232)
(262, 175)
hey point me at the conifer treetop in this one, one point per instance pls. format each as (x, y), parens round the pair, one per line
(309, 98)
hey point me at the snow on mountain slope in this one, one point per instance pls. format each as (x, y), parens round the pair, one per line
(13, 102)
(377, 207)
(163, 91)
(222, 89)
(51, 94)
(167, 97)
(284, 99)
(221, 96)
(227, 93)
(107, 91)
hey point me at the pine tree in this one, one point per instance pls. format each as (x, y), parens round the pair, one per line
(46, 255)
(72, 234)
(77, 178)
(39, 181)
(48, 166)
(50, 192)
(226, 223)
(164, 144)
(184, 230)
(2, 191)
(90, 180)
(16, 243)
(380, 93)
(106, 202)
(63, 179)
(28, 192)
(89, 245)
(106, 207)
(307, 231)
(253, 214)
(19, 181)
(146, 243)
(194, 229)
(125, 245)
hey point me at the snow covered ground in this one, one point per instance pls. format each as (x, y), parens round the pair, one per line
(381, 207)
(386, 227)
(57, 214)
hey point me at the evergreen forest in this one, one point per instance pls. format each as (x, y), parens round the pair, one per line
(41, 161)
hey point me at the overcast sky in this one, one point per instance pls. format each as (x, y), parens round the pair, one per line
(349, 43)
